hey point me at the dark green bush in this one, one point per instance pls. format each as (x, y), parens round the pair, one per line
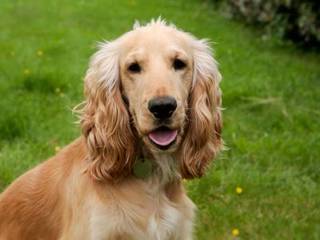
(298, 20)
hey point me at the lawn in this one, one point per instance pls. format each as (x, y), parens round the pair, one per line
(271, 96)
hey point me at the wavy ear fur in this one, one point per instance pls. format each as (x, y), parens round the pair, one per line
(203, 135)
(105, 120)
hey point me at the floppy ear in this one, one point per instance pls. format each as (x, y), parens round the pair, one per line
(105, 120)
(203, 135)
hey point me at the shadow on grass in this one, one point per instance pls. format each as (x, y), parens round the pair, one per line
(46, 83)
(13, 125)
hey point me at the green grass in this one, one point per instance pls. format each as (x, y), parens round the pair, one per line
(271, 99)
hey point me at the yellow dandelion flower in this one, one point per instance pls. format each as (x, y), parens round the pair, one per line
(235, 232)
(57, 148)
(239, 190)
(39, 53)
(26, 71)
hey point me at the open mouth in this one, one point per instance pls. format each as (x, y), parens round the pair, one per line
(163, 137)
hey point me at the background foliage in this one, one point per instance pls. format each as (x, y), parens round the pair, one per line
(266, 186)
(297, 20)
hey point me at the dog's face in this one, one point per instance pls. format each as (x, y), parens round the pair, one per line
(155, 86)
(156, 67)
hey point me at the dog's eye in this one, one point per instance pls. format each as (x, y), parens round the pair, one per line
(134, 68)
(179, 64)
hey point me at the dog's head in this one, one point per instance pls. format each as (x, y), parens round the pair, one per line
(155, 86)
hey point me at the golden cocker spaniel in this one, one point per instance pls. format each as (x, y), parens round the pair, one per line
(150, 119)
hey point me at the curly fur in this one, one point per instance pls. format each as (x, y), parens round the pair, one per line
(89, 190)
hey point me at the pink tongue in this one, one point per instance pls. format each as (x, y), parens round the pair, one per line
(163, 137)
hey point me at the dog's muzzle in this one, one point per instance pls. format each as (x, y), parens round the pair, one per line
(162, 108)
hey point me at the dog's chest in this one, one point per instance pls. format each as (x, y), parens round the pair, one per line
(163, 223)
(154, 218)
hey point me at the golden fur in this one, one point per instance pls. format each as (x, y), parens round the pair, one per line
(89, 189)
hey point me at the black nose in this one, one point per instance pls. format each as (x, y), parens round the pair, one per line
(162, 107)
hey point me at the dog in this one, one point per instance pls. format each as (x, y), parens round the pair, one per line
(151, 118)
